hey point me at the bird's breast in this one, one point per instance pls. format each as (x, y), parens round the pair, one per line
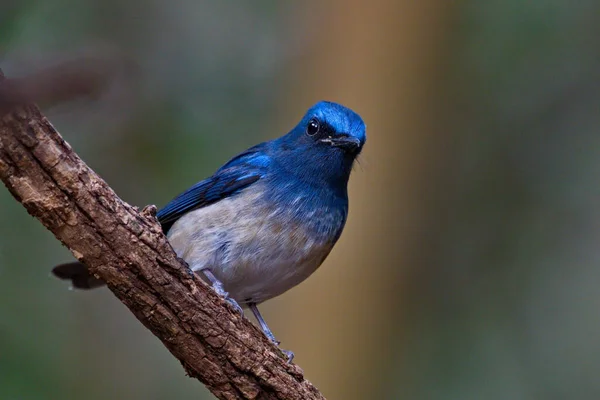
(258, 244)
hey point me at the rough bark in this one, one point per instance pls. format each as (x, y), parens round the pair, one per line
(128, 250)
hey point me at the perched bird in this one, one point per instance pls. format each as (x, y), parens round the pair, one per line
(266, 220)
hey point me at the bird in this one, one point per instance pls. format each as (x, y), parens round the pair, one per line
(268, 218)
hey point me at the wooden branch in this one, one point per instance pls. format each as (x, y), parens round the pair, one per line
(128, 250)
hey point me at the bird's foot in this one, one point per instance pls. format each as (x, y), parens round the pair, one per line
(267, 331)
(289, 354)
(235, 305)
(220, 290)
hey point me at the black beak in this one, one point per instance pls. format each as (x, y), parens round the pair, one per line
(346, 142)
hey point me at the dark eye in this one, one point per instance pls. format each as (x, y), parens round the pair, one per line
(313, 127)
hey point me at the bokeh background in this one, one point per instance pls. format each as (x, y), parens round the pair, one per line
(469, 268)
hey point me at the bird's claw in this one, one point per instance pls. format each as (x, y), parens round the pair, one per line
(218, 288)
(235, 305)
(289, 354)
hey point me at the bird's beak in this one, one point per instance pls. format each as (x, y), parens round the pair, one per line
(344, 141)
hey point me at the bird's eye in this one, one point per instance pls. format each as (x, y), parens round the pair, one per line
(313, 127)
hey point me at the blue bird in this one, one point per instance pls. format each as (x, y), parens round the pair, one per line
(268, 218)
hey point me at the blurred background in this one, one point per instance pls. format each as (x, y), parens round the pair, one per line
(469, 267)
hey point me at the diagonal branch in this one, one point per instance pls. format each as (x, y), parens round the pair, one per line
(128, 250)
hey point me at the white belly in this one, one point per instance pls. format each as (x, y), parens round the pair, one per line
(256, 252)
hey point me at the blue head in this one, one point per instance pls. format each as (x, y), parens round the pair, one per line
(322, 148)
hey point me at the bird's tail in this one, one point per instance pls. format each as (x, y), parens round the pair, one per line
(78, 274)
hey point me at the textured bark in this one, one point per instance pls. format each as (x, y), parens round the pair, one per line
(128, 250)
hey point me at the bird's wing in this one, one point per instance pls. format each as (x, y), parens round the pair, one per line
(239, 173)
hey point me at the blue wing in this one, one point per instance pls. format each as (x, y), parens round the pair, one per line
(239, 173)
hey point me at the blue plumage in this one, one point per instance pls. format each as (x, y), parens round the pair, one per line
(267, 219)
(231, 178)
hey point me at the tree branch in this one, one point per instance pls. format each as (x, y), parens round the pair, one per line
(128, 250)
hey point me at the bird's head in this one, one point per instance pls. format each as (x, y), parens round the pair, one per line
(334, 127)
(323, 146)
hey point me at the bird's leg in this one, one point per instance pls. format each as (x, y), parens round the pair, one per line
(267, 331)
(217, 286)
(215, 283)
